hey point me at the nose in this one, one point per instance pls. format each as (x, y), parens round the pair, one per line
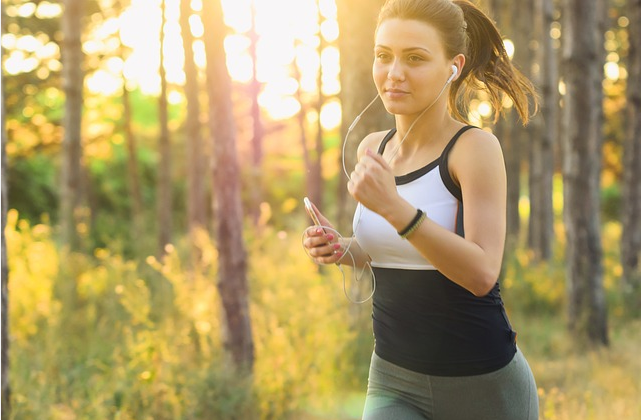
(395, 72)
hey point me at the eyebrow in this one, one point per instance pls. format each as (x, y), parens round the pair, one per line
(404, 49)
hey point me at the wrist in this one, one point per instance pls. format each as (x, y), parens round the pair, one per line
(400, 215)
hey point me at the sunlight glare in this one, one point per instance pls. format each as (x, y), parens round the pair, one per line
(196, 26)
(26, 10)
(611, 70)
(104, 82)
(9, 41)
(485, 109)
(237, 14)
(329, 30)
(47, 10)
(278, 107)
(509, 48)
(28, 43)
(330, 116)
(327, 8)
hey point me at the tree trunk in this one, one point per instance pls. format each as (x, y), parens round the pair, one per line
(257, 127)
(132, 167)
(581, 171)
(508, 130)
(232, 271)
(72, 80)
(357, 23)
(196, 216)
(164, 204)
(6, 387)
(631, 235)
(541, 226)
(315, 171)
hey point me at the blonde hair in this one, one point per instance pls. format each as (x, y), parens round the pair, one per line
(466, 29)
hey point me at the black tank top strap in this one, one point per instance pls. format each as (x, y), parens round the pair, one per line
(443, 166)
(386, 140)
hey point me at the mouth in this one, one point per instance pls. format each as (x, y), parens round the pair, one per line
(394, 93)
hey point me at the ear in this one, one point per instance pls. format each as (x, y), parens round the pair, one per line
(458, 62)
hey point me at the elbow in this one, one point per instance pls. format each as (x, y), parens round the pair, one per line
(484, 284)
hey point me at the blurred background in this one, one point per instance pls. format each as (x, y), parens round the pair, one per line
(155, 158)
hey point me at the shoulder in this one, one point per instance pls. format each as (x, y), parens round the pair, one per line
(476, 150)
(371, 141)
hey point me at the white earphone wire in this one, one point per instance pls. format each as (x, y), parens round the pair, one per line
(360, 207)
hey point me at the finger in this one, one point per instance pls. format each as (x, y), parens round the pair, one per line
(331, 259)
(325, 251)
(375, 157)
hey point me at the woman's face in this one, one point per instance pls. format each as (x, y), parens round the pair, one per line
(410, 67)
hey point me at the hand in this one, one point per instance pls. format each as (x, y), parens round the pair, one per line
(372, 183)
(322, 243)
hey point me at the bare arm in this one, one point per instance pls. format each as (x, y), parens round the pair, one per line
(476, 162)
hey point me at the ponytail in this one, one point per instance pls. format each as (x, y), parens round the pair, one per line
(488, 67)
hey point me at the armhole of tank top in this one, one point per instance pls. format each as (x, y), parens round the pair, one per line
(386, 139)
(451, 186)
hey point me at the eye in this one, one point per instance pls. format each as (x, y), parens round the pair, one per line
(414, 58)
(382, 56)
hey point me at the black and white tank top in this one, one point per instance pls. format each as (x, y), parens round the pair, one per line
(430, 189)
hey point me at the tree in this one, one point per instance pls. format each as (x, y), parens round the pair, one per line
(258, 131)
(164, 168)
(513, 21)
(357, 23)
(6, 388)
(631, 235)
(196, 216)
(582, 156)
(541, 226)
(72, 80)
(232, 271)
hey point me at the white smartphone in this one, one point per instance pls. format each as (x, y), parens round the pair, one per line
(311, 212)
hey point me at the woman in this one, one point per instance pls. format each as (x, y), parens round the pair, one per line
(431, 220)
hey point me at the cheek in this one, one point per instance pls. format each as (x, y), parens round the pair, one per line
(379, 74)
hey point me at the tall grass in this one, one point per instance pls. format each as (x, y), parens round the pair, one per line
(103, 337)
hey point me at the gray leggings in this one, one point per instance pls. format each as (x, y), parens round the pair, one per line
(395, 393)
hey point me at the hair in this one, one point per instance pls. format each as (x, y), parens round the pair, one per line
(466, 29)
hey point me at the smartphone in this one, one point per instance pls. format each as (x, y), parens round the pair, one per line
(311, 212)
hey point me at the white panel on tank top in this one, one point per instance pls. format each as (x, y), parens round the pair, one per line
(380, 240)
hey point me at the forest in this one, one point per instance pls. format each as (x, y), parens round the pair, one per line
(155, 156)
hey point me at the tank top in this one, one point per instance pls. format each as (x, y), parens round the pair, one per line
(423, 321)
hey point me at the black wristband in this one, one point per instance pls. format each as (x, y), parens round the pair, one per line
(412, 225)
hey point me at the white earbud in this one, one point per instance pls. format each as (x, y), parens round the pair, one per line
(454, 73)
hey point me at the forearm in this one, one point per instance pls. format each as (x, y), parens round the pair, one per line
(459, 259)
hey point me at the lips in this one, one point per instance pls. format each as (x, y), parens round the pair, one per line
(394, 93)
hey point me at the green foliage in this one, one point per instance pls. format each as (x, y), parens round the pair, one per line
(32, 186)
(611, 201)
(100, 336)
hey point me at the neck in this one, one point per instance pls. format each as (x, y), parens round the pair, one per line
(415, 133)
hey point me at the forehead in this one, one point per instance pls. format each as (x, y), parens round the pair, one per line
(408, 33)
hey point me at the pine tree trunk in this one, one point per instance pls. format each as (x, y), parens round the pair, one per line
(581, 171)
(6, 387)
(137, 220)
(357, 23)
(315, 171)
(72, 80)
(232, 271)
(257, 127)
(196, 216)
(541, 227)
(507, 130)
(164, 204)
(631, 235)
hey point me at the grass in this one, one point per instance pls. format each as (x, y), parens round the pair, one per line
(102, 337)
